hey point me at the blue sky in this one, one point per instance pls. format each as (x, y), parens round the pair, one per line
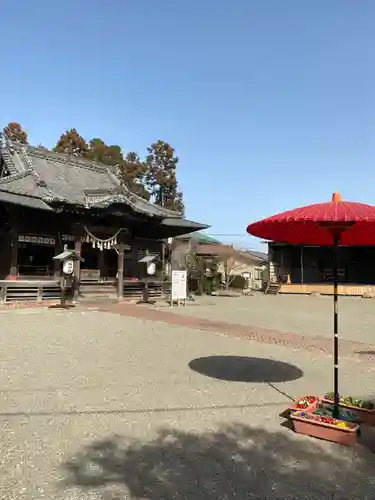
(270, 104)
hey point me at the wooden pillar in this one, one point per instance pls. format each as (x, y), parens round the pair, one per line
(102, 264)
(58, 249)
(120, 270)
(13, 271)
(134, 258)
(9, 244)
(77, 267)
(77, 263)
(302, 272)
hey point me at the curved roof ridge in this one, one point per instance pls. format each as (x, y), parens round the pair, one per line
(15, 177)
(30, 167)
(69, 160)
(139, 199)
(7, 155)
(132, 197)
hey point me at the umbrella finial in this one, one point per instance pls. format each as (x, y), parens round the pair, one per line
(336, 197)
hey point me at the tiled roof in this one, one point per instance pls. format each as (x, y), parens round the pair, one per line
(56, 177)
(258, 255)
(200, 237)
(26, 201)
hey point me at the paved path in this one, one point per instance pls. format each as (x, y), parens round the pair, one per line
(305, 315)
(96, 405)
(192, 317)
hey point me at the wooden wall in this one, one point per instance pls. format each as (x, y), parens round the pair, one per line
(327, 289)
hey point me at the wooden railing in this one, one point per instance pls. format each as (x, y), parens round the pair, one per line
(29, 290)
(37, 271)
(33, 290)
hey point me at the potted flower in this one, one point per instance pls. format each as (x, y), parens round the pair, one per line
(325, 427)
(307, 403)
(365, 409)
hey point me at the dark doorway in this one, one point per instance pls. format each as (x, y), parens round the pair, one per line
(35, 260)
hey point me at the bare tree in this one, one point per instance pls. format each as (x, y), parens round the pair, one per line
(179, 255)
(185, 257)
(231, 265)
(229, 257)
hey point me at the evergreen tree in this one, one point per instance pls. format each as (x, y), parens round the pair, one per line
(14, 132)
(160, 177)
(96, 150)
(101, 153)
(71, 143)
(132, 175)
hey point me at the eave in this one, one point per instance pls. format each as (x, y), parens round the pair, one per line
(25, 201)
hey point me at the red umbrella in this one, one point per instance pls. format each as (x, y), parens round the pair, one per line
(330, 224)
(353, 223)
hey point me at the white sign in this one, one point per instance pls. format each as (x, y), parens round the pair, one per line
(179, 285)
(68, 267)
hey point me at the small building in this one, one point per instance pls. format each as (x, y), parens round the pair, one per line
(245, 268)
(240, 268)
(198, 238)
(48, 200)
(309, 269)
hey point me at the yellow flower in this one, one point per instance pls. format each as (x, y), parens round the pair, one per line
(342, 424)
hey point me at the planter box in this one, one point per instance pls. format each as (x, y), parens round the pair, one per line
(329, 432)
(365, 416)
(294, 406)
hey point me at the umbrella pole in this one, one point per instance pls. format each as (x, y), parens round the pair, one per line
(335, 330)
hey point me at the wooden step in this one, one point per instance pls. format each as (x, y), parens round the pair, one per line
(132, 291)
(272, 289)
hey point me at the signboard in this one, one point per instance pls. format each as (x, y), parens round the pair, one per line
(37, 240)
(179, 285)
(43, 240)
(328, 274)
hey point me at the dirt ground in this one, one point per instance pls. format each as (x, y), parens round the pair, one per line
(98, 405)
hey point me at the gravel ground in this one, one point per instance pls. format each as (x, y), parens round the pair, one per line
(101, 406)
(306, 315)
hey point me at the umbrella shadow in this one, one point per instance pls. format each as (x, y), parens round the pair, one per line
(366, 353)
(245, 369)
